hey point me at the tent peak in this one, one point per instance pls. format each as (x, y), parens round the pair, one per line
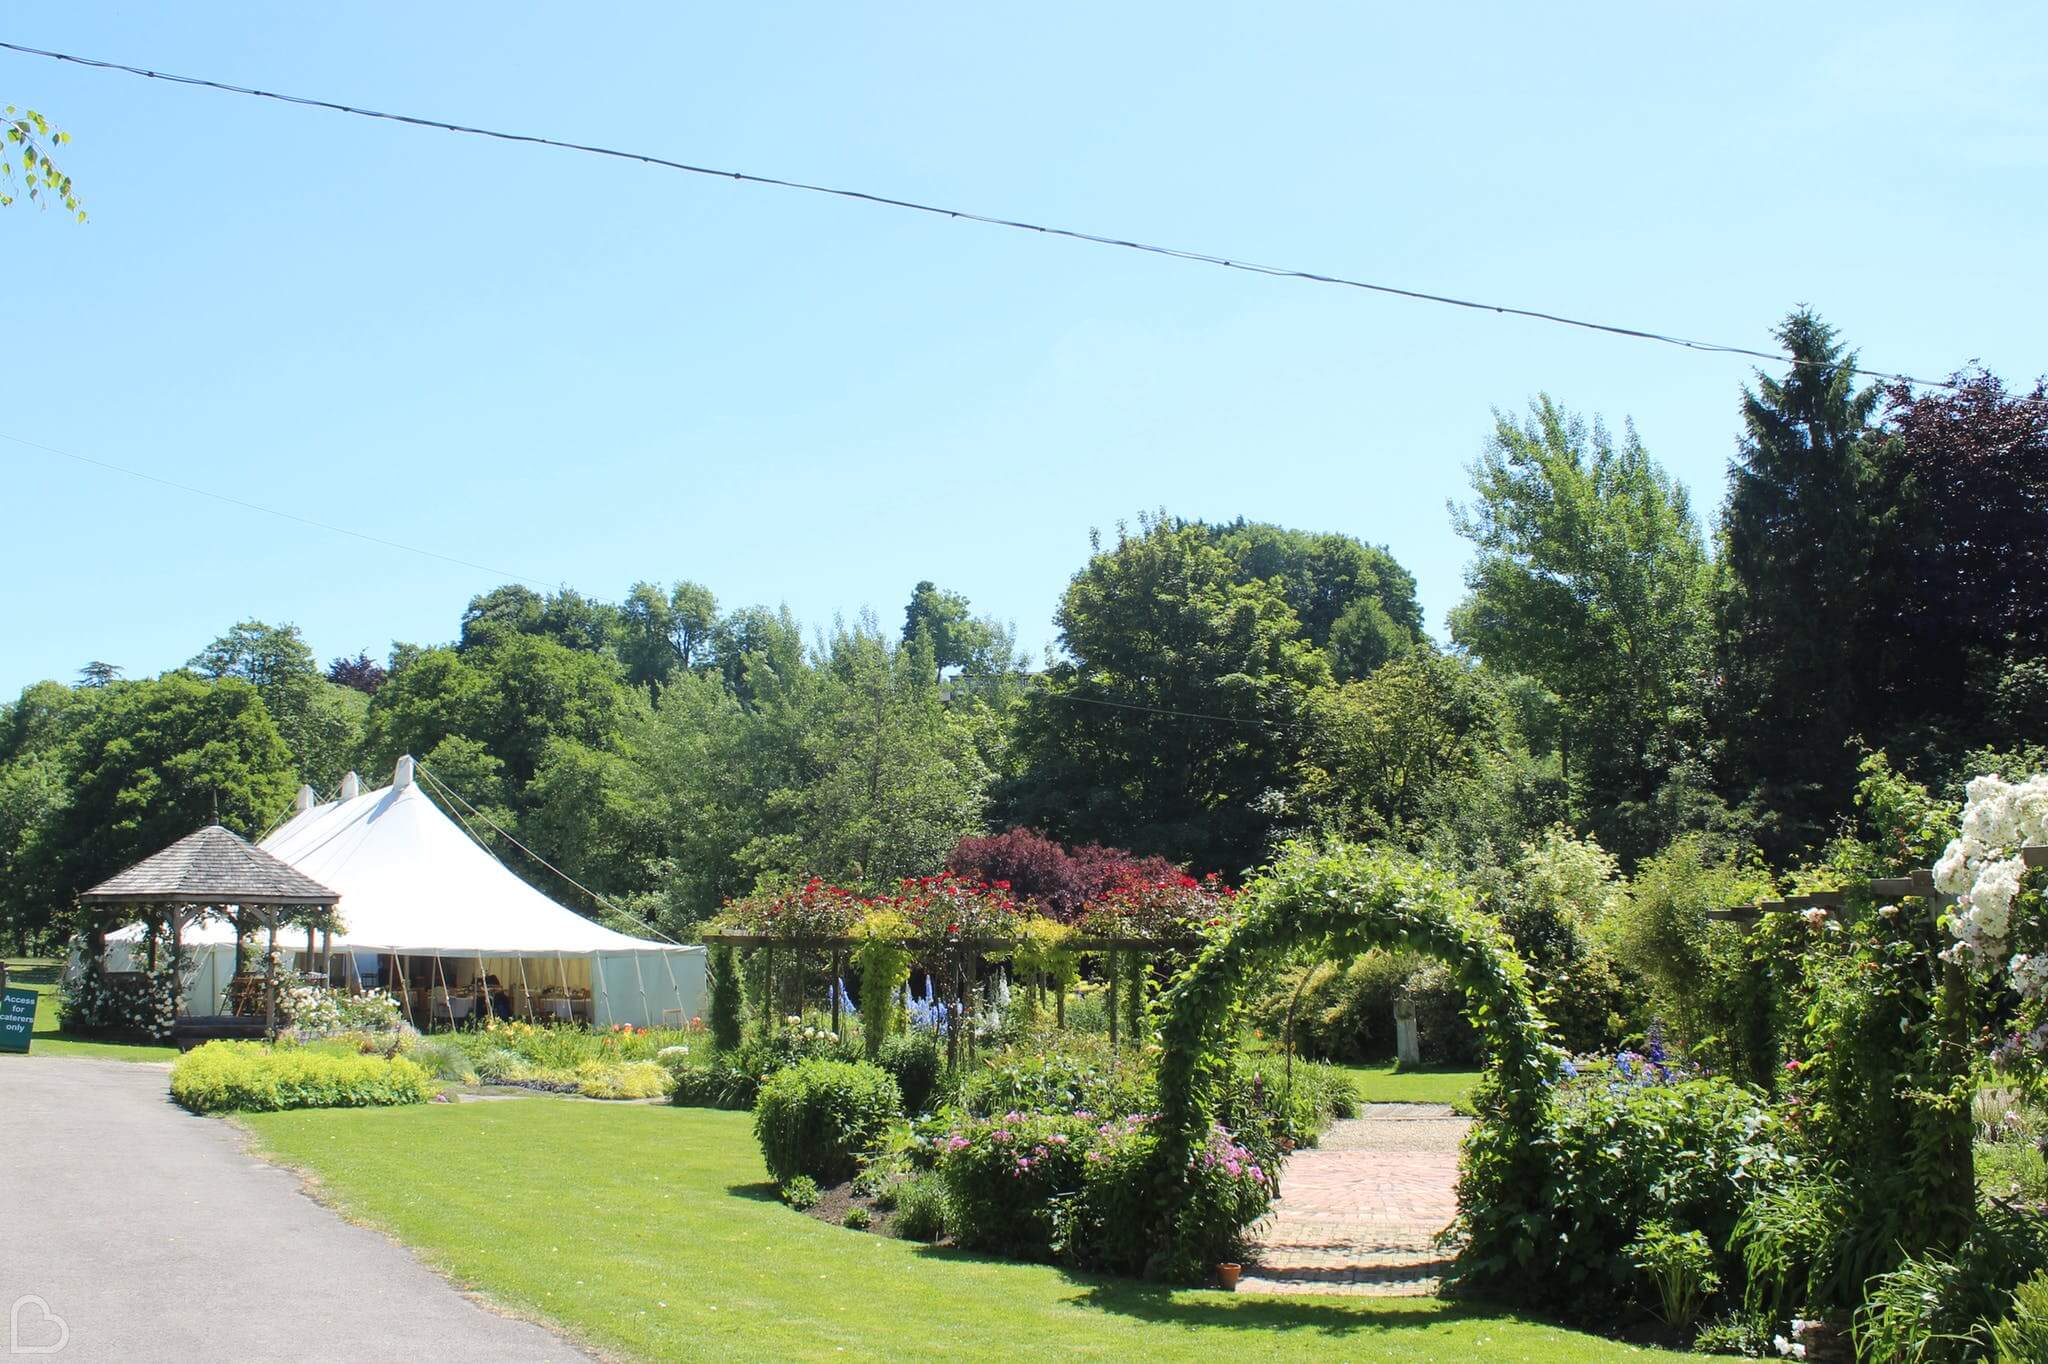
(303, 801)
(401, 775)
(351, 786)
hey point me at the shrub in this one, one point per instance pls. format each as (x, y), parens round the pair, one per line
(1115, 1224)
(2022, 1338)
(725, 998)
(1345, 1011)
(251, 1077)
(915, 1060)
(1680, 1265)
(920, 1209)
(621, 1080)
(1068, 1075)
(1934, 1310)
(1003, 1175)
(800, 1192)
(1443, 1022)
(817, 1117)
(857, 1219)
(442, 1059)
(733, 1079)
(1624, 1154)
(318, 1012)
(1263, 1099)
(499, 1063)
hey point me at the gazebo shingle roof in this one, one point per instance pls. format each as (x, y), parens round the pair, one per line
(212, 867)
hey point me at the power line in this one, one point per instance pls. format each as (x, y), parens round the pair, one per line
(503, 574)
(967, 215)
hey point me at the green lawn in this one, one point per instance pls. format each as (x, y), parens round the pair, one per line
(1378, 1082)
(651, 1232)
(48, 1039)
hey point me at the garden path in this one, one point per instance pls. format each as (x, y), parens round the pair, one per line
(131, 1230)
(1360, 1213)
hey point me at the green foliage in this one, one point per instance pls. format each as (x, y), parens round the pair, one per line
(800, 1192)
(1687, 1155)
(2022, 1338)
(1342, 1011)
(1003, 1175)
(621, 1080)
(816, 1118)
(1938, 1309)
(725, 998)
(915, 1060)
(1343, 902)
(29, 137)
(1297, 1103)
(881, 956)
(1715, 988)
(252, 1077)
(1680, 1266)
(1059, 1074)
(1165, 620)
(1426, 742)
(1592, 577)
(148, 763)
(321, 723)
(1797, 533)
(857, 1219)
(921, 1209)
(1790, 1238)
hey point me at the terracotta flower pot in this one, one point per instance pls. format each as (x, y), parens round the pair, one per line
(1226, 1274)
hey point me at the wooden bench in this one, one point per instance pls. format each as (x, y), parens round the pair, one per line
(189, 1032)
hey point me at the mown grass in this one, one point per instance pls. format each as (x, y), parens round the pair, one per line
(652, 1233)
(1378, 1082)
(49, 1038)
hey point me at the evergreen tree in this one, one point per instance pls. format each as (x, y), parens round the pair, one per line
(1797, 534)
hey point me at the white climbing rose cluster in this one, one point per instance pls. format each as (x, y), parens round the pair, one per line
(1983, 869)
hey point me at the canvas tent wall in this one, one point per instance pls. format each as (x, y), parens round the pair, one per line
(426, 904)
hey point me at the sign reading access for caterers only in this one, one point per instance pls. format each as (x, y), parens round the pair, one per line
(17, 1018)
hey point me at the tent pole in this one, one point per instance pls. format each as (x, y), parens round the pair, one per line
(669, 964)
(604, 993)
(641, 981)
(444, 992)
(562, 966)
(525, 990)
(483, 987)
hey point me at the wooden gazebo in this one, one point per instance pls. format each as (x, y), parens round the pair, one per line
(214, 871)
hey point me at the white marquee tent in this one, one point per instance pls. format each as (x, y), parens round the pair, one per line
(427, 914)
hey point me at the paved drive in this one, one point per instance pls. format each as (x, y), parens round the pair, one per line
(147, 1234)
(1360, 1213)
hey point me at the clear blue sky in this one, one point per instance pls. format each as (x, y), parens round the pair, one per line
(587, 372)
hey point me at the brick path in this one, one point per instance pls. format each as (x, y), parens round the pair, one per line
(1360, 1213)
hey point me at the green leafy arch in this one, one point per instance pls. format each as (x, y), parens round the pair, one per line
(1340, 902)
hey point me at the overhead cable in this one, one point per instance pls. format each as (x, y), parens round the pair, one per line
(968, 215)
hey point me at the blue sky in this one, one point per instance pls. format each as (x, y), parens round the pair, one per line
(586, 372)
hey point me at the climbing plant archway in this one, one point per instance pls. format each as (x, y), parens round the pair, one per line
(1341, 902)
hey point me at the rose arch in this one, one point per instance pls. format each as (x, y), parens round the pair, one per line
(1343, 902)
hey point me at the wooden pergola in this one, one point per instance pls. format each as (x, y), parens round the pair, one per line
(212, 872)
(950, 965)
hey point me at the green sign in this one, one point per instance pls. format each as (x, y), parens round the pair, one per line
(17, 1019)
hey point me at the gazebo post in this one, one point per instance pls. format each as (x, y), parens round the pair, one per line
(270, 979)
(177, 952)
